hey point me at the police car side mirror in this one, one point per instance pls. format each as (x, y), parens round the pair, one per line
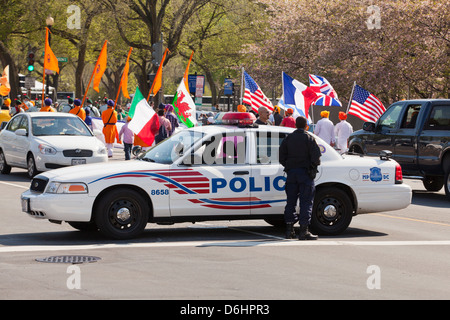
(136, 150)
(3, 125)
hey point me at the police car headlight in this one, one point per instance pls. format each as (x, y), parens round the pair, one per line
(46, 149)
(58, 187)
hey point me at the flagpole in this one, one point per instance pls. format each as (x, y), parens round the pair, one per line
(242, 83)
(43, 71)
(351, 96)
(92, 75)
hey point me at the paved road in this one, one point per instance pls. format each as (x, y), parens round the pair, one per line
(391, 255)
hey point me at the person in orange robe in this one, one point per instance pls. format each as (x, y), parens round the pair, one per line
(47, 107)
(78, 110)
(109, 117)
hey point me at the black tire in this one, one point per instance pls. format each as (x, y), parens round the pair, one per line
(337, 218)
(121, 214)
(4, 167)
(433, 183)
(31, 166)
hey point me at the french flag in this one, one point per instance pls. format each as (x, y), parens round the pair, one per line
(297, 95)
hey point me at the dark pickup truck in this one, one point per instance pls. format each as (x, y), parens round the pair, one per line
(417, 132)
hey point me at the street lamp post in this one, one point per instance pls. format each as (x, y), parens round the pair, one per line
(49, 21)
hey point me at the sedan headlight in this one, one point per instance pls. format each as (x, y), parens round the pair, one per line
(46, 149)
(68, 187)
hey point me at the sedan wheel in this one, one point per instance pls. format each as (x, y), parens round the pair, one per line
(4, 168)
(31, 166)
(332, 211)
(122, 214)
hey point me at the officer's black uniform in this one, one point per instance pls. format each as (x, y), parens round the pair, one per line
(300, 155)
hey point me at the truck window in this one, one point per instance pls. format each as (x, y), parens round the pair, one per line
(390, 118)
(410, 117)
(439, 118)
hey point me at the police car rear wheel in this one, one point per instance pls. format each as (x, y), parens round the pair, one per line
(122, 214)
(332, 212)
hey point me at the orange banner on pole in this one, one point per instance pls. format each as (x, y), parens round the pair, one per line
(186, 73)
(157, 83)
(50, 60)
(124, 81)
(100, 66)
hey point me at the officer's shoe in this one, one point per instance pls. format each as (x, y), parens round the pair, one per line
(305, 234)
(290, 232)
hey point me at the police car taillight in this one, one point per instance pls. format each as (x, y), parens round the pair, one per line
(238, 118)
(398, 174)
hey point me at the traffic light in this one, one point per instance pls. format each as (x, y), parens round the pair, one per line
(157, 53)
(30, 60)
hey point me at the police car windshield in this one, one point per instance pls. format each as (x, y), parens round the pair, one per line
(172, 148)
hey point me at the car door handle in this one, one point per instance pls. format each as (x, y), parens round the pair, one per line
(240, 173)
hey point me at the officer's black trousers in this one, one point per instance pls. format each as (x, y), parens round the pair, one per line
(299, 186)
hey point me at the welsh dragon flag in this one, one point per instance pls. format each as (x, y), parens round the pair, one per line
(184, 106)
(145, 121)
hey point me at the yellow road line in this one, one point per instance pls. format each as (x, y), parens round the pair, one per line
(411, 219)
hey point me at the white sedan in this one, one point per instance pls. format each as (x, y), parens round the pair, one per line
(214, 172)
(41, 141)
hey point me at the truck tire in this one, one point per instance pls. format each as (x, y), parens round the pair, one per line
(433, 183)
(447, 184)
(121, 214)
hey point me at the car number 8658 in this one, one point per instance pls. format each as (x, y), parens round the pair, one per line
(160, 192)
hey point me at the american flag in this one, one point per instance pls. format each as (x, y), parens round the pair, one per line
(365, 105)
(254, 96)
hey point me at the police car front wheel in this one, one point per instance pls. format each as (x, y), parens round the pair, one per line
(122, 214)
(332, 211)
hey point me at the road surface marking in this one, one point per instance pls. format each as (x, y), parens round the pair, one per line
(250, 243)
(14, 185)
(411, 219)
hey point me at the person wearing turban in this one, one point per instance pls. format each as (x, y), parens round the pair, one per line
(78, 110)
(288, 120)
(47, 107)
(170, 115)
(325, 129)
(109, 117)
(343, 130)
(241, 108)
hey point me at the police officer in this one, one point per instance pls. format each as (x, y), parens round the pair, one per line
(300, 156)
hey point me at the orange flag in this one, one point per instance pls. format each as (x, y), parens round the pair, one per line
(100, 67)
(158, 77)
(186, 73)
(124, 81)
(50, 60)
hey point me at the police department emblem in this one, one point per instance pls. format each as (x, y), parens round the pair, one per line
(375, 174)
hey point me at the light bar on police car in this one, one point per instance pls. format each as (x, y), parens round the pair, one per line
(240, 118)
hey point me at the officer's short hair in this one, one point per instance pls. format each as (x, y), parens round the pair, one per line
(300, 122)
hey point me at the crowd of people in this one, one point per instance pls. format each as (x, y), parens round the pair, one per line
(324, 129)
(110, 114)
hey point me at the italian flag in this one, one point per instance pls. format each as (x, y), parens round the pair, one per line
(184, 106)
(144, 120)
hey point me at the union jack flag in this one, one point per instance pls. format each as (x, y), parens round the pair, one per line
(254, 96)
(365, 105)
(327, 95)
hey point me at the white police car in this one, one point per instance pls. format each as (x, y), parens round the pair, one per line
(221, 172)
